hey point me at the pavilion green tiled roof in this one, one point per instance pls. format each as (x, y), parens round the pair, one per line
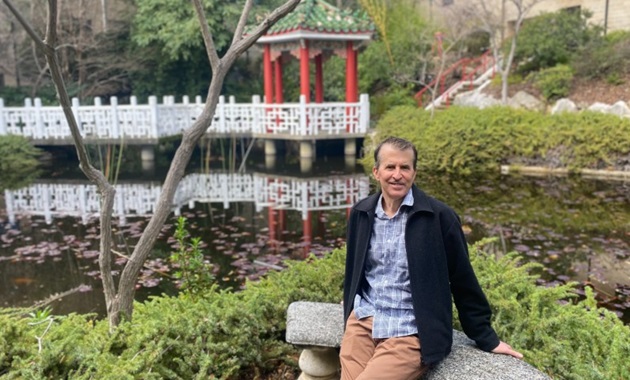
(319, 16)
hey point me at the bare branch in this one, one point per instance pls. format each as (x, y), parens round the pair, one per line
(238, 33)
(25, 24)
(207, 36)
(244, 43)
(51, 25)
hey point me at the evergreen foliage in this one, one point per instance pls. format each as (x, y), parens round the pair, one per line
(18, 162)
(562, 337)
(237, 335)
(467, 140)
(554, 82)
(607, 59)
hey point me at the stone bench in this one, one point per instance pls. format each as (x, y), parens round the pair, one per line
(318, 328)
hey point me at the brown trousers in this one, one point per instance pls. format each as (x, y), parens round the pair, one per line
(365, 358)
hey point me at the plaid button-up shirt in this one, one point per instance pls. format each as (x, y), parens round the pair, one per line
(387, 293)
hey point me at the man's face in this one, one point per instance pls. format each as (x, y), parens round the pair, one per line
(395, 172)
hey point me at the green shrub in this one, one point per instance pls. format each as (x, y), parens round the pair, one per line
(574, 340)
(554, 82)
(18, 162)
(468, 140)
(228, 335)
(605, 59)
(394, 96)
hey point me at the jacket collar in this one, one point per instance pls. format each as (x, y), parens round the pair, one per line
(421, 202)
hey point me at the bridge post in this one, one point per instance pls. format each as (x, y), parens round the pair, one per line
(306, 165)
(39, 124)
(221, 112)
(3, 126)
(256, 115)
(154, 115)
(113, 101)
(350, 147)
(133, 102)
(364, 114)
(270, 161)
(307, 149)
(75, 110)
(270, 148)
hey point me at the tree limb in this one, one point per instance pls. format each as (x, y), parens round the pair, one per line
(247, 41)
(207, 36)
(238, 33)
(106, 190)
(25, 24)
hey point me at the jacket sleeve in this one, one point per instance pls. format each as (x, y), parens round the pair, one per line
(348, 298)
(471, 303)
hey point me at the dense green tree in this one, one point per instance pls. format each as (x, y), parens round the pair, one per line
(173, 26)
(553, 38)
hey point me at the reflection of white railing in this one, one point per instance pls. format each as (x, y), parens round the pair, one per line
(138, 199)
(152, 121)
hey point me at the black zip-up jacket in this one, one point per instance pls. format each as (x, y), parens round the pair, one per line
(438, 267)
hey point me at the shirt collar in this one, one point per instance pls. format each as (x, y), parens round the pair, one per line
(407, 201)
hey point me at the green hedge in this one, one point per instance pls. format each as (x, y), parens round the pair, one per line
(240, 335)
(466, 140)
(18, 162)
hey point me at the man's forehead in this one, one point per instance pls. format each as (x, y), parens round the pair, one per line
(393, 149)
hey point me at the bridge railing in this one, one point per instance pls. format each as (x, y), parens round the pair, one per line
(153, 120)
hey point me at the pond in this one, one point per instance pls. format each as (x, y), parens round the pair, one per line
(251, 222)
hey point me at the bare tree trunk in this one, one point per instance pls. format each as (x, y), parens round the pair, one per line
(505, 72)
(120, 303)
(16, 61)
(104, 12)
(485, 12)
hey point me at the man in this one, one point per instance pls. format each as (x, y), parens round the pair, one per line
(406, 255)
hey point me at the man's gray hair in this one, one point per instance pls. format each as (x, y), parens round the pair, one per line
(398, 143)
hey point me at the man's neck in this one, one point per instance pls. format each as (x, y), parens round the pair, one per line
(391, 206)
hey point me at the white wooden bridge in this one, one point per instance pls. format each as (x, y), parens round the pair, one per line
(144, 124)
(81, 200)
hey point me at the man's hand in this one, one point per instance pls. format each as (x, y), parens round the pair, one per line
(505, 349)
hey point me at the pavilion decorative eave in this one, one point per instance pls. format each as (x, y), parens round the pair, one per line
(297, 35)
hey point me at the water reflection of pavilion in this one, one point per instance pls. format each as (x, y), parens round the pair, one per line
(80, 199)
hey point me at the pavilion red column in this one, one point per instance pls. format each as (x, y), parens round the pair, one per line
(271, 222)
(305, 77)
(319, 80)
(267, 74)
(307, 233)
(277, 76)
(352, 85)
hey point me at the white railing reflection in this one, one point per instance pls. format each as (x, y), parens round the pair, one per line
(80, 200)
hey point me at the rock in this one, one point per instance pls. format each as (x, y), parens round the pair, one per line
(318, 328)
(524, 100)
(599, 107)
(466, 362)
(564, 105)
(620, 109)
(475, 99)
